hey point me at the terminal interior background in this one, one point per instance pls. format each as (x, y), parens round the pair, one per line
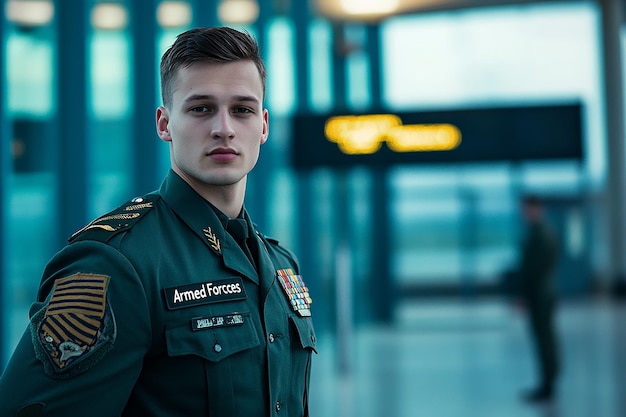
(433, 334)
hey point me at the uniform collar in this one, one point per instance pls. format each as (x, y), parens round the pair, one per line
(201, 217)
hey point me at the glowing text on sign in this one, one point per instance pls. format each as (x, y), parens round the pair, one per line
(359, 135)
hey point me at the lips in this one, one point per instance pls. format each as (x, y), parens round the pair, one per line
(223, 151)
(223, 154)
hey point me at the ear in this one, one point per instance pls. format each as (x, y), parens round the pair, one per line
(162, 124)
(266, 126)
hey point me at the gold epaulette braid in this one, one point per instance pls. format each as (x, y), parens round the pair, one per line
(124, 217)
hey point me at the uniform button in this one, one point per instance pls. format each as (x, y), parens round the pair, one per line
(217, 348)
(272, 337)
(277, 405)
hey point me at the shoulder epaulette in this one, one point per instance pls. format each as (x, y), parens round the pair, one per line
(123, 218)
(272, 240)
(275, 244)
(264, 236)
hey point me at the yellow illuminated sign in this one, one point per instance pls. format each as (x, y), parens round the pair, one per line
(359, 135)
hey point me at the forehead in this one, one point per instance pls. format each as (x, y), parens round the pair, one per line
(238, 78)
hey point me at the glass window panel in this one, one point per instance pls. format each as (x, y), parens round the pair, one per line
(512, 54)
(280, 66)
(552, 177)
(32, 213)
(363, 231)
(32, 185)
(358, 82)
(426, 213)
(463, 221)
(110, 89)
(357, 69)
(30, 67)
(165, 39)
(281, 213)
(455, 222)
(110, 147)
(321, 58)
(508, 53)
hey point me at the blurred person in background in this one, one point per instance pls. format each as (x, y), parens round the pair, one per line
(174, 304)
(536, 288)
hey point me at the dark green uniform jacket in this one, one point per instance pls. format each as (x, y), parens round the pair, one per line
(154, 310)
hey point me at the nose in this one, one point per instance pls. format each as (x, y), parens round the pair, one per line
(222, 126)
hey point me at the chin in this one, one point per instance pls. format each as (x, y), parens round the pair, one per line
(223, 181)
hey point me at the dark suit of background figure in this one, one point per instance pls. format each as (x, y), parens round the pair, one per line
(539, 254)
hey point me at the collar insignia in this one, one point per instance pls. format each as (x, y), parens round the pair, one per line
(213, 240)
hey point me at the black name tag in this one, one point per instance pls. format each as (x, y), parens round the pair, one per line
(205, 293)
(201, 323)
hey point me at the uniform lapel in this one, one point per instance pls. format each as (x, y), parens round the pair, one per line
(196, 213)
(266, 269)
(235, 258)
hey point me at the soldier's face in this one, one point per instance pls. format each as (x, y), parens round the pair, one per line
(216, 123)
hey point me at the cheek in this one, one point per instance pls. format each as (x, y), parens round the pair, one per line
(182, 136)
(253, 152)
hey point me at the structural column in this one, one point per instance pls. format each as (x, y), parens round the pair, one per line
(72, 118)
(612, 20)
(384, 298)
(306, 229)
(146, 155)
(258, 180)
(204, 13)
(6, 139)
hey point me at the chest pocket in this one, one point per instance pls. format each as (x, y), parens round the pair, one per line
(304, 329)
(212, 343)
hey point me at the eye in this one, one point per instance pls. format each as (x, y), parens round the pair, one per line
(200, 109)
(242, 110)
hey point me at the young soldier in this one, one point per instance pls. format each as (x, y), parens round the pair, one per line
(174, 304)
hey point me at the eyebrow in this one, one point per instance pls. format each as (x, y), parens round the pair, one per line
(199, 97)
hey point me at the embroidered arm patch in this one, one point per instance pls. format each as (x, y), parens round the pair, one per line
(76, 328)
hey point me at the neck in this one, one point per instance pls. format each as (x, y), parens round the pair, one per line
(229, 206)
(226, 198)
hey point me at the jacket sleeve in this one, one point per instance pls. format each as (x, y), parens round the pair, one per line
(88, 333)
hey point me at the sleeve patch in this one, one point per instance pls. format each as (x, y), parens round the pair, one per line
(77, 326)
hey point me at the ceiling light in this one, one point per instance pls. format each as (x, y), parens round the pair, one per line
(369, 7)
(173, 14)
(29, 13)
(109, 16)
(240, 12)
(377, 10)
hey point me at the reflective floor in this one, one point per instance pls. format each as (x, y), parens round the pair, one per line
(471, 358)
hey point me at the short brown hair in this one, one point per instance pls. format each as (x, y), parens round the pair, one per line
(208, 44)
